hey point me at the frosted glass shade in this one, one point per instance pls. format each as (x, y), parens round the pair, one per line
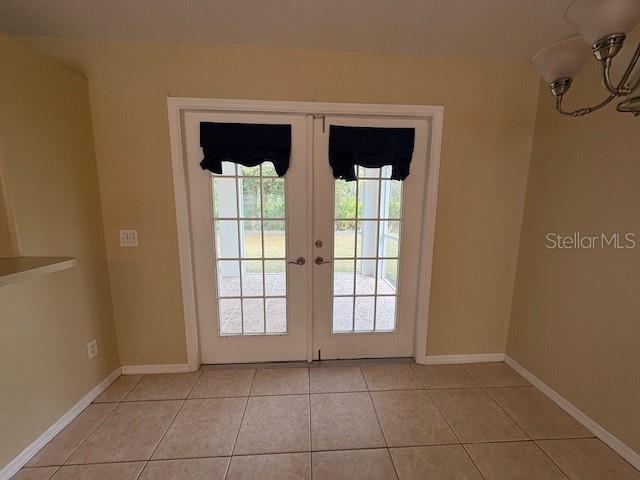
(562, 59)
(598, 18)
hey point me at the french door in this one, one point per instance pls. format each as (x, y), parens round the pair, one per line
(304, 266)
(249, 228)
(367, 247)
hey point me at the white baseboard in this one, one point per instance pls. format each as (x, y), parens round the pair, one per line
(28, 453)
(617, 445)
(166, 368)
(471, 358)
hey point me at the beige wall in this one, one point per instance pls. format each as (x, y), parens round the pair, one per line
(576, 313)
(489, 118)
(50, 176)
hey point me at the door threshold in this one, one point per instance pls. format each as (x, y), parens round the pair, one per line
(315, 363)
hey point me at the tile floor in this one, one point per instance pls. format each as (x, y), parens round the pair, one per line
(380, 421)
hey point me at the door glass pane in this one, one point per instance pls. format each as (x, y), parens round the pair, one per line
(386, 313)
(252, 278)
(250, 251)
(368, 200)
(275, 280)
(344, 238)
(224, 188)
(249, 171)
(367, 226)
(268, 170)
(230, 316)
(253, 315)
(274, 239)
(365, 277)
(346, 207)
(389, 239)
(226, 238)
(228, 169)
(388, 276)
(364, 314)
(276, 315)
(367, 238)
(228, 278)
(251, 238)
(273, 198)
(343, 314)
(365, 172)
(343, 277)
(391, 192)
(251, 197)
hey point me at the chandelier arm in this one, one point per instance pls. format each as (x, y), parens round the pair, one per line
(621, 89)
(606, 77)
(634, 87)
(582, 111)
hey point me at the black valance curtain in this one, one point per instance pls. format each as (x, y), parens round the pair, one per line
(248, 144)
(371, 147)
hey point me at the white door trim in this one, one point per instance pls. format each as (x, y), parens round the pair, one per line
(175, 108)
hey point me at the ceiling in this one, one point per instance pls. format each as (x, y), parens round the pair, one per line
(511, 28)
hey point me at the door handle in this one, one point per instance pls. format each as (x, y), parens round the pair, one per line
(299, 261)
(319, 261)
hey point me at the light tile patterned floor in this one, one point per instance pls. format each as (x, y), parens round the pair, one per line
(379, 421)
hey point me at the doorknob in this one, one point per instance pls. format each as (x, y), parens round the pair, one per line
(299, 261)
(320, 261)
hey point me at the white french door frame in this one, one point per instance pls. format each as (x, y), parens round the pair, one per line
(176, 108)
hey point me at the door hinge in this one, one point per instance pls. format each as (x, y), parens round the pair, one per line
(317, 115)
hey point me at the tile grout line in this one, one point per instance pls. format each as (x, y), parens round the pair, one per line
(286, 452)
(531, 439)
(515, 422)
(451, 426)
(375, 412)
(426, 389)
(128, 392)
(244, 411)
(456, 433)
(521, 427)
(444, 417)
(473, 462)
(551, 459)
(164, 434)
(93, 430)
(486, 388)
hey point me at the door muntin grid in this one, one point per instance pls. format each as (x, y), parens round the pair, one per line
(366, 233)
(250, 245)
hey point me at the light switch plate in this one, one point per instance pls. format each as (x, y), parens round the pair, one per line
(128, 238)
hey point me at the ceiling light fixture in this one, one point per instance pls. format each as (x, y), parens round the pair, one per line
(603, 25)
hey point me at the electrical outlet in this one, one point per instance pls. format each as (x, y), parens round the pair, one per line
(128, 238)
(92, 348)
